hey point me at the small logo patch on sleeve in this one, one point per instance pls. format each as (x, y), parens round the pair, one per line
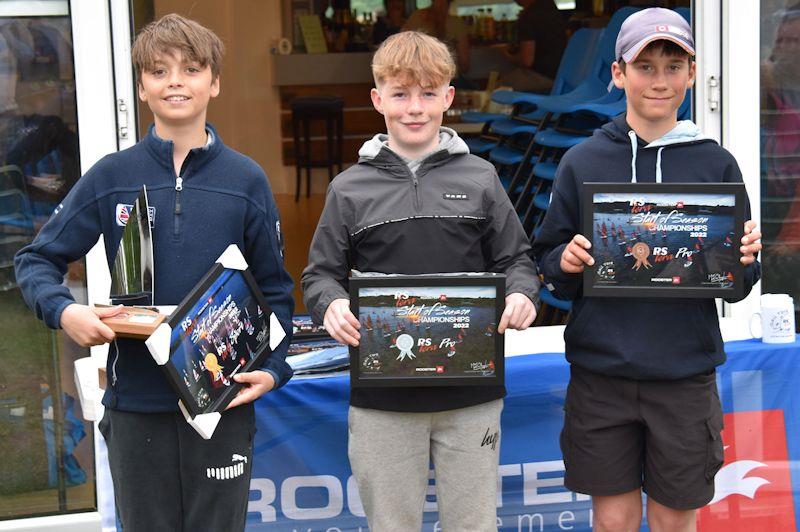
(455, 196)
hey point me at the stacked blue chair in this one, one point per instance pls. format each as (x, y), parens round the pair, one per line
(574, 67)
(526, 156)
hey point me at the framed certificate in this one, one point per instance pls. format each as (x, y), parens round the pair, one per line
(427, 330)
(664, 239)
(223, 327)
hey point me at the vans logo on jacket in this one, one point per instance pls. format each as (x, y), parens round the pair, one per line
(455, 196)
(123, 212)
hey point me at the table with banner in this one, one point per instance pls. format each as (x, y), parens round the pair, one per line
(302, 479)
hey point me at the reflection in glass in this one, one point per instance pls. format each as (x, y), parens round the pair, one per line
(46, 447)
(780, 145)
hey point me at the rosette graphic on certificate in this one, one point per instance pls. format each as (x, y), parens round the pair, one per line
(664, 240)
(433, 330)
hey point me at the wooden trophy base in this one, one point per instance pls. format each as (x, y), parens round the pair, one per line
(135, 322)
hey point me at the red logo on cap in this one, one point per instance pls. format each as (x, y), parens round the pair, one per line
(662, 28)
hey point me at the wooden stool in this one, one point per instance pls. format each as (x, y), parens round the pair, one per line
(305, 110)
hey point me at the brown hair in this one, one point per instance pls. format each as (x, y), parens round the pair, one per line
(662, 47)
(174, 32)
(414, 57)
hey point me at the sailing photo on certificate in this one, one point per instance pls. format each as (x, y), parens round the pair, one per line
(682, 240)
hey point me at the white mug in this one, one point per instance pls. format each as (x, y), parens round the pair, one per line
(776, 319)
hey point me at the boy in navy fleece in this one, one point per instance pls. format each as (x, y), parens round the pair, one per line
(203, 197)
(642, 408)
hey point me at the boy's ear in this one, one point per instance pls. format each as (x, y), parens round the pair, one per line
(448, 97)
(692, 74)
(140, 91)
(377, 101)
(215, 87)
(617, 75)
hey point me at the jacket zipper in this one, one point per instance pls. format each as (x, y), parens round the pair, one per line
(417, 203)
(178, 189)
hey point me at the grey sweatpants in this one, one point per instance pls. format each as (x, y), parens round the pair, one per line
(390, 454)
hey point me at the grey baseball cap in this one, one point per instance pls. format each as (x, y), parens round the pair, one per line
(652, 24)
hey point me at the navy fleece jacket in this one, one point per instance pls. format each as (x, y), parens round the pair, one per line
(224, 199)
(636, 338)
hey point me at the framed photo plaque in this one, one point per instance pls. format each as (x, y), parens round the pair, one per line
(664, 239)
(223, 327)
(427, 330)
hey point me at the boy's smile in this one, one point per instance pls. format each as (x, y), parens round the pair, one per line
(178, 90)
(413, 115)
(655, 85)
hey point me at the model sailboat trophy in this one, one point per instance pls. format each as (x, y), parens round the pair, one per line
(132, 276)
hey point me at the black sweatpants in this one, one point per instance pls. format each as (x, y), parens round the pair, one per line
(168, 478)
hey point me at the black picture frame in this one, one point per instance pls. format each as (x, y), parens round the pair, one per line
(183, 321)
(705, 265)
(489, 370)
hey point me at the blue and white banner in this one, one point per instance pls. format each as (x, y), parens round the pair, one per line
(302, 480)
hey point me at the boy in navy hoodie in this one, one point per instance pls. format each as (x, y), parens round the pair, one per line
(642, 408)
(203, 196)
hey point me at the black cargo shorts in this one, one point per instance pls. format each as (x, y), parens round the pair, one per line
(662, 436)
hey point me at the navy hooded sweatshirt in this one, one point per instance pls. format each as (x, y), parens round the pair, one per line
(223, 198)
(636, 338)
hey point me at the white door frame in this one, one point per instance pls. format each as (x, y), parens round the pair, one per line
(727, 107)
(97, 125)
(741, 110)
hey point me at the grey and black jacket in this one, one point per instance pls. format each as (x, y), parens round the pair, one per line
(444, 213)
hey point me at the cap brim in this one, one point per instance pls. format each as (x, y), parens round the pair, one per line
(636, 49)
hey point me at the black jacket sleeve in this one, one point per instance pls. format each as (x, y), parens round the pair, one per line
(506, 246)
(561, 223)
(325, 277)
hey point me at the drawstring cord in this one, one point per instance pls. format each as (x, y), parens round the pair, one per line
(658, 165)
(634, 149)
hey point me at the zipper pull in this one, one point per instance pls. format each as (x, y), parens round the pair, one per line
(178, 188)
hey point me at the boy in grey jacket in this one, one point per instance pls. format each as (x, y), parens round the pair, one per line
(418, 202)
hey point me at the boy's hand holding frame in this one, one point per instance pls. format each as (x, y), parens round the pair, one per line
(340, 322)
(255, 384)
(518, 314)
(576, 256)
(751, 243)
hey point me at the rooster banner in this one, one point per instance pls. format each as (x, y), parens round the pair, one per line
(302, 479)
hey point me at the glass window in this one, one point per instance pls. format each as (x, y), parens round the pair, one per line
(47, 450)
(780, 146)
